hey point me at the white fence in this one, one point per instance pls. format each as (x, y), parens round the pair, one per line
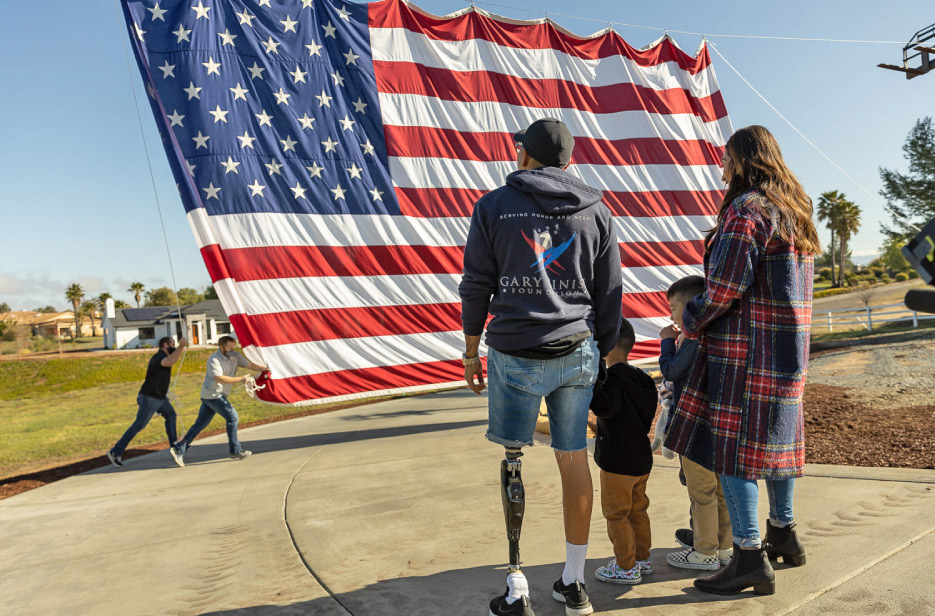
(868, 317)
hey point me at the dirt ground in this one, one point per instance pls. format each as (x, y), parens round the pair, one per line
(872, 406)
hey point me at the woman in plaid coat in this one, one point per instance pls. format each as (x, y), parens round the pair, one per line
(740, 413)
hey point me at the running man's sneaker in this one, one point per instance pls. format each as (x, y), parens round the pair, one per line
(685, 537)
(574, 596)
(178, 457)
(115, 460)
(645, 566)
(690, 559)
(240, 456)
(615, 575)
(520, 607)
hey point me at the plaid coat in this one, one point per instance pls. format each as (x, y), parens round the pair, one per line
(740, 413)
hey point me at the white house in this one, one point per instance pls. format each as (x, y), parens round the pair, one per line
(131, 328)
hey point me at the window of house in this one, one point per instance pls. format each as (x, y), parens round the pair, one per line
(147, 333)
(223, 328)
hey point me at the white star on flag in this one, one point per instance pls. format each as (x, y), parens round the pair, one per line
(168, 70)
(288, 143)
(245, 18)
(298, 75)
(239, 92)
(246, 141)
(192, 91)
(376, 194)
(307, 4)
(354, 170)
(227, 38)
(347, 123)
(287, 24)
(360, 105)
(182, 34)
(306, 121)
(368, 148)
(338, 192)
(345, 14)
(265, 3)
(274, 167)
(330, 145)
(281, 97)
(201, 10)
(139, 31)
(350, 57)
(230, 165)
(314, 49)
(329, 30)
(298, 192)
(271, 46)
(323, 99)
(211, 192)
(219, 115)
(338, 79)
(158, 13)
(201, 141)
(175, 118)
(212, 66)
(264, 118)
(191, 168)
(256, 71)
(315, 171)
(256, 189)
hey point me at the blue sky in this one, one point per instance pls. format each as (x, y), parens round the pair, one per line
(75, 193)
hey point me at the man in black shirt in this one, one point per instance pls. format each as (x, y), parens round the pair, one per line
(152, 397)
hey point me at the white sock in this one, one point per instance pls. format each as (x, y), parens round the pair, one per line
(575, 556)
(517, 585)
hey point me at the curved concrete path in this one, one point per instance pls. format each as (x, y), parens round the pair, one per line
(393, 509)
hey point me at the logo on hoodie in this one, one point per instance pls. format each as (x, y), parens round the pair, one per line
(546, 251)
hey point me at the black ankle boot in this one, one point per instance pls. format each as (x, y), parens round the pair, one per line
(747, 568)
(781, 541)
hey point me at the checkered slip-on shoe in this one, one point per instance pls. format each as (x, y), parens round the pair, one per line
(690, 559)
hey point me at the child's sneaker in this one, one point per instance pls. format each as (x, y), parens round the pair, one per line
(724, 556)
(690, 559)
(645, 566)
(615, 575)
(114, 459)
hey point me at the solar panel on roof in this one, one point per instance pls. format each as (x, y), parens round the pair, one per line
(143, 314)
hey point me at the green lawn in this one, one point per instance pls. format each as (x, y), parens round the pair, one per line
(887, 328)
(58, 410)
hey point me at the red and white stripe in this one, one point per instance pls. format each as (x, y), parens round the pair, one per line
(350, 306)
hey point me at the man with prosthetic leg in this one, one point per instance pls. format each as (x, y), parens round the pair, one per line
(542, 258)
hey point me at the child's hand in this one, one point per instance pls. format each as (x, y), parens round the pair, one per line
(669, 331)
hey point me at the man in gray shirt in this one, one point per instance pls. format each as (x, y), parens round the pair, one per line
(220, 377)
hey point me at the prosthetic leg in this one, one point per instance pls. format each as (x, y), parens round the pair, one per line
(514, 501)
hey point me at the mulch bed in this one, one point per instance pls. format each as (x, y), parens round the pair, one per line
(841, 429)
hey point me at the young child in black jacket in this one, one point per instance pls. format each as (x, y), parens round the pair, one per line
(624, 402)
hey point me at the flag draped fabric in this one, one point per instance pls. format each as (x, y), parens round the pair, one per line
(328, 155)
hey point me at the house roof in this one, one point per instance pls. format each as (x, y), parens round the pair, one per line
(155, 315)
(31, 317)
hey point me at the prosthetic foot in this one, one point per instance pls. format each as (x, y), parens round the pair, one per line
(514, 501)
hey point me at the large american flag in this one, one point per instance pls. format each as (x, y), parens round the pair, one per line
(329, 154)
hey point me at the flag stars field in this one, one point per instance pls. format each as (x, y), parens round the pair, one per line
(157, 13)
(201, 11)
(182, 34)
(274, 167)
(239, 92)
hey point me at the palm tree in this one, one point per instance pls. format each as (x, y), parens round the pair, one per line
(827, 210)
(74, 293)
(848, 222)
(136, 288)
(101, 301)
(88, 308)
(119, 303)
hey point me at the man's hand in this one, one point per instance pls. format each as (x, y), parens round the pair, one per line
(669, 331)
(183, 342)
(473, 372)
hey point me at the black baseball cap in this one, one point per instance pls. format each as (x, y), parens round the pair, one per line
(548, 141)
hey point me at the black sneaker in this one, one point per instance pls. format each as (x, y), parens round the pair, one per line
(520, 607)
(115, 460)
(685, 537)
(574, 596)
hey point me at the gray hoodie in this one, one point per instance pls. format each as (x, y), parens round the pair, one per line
(542, 258)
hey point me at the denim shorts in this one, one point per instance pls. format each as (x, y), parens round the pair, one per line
(516, 386)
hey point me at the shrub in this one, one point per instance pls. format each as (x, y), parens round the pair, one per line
(884, 279)
(902, 277)
(39, 344)
(913, 274)
(825, 273)
(876, 271)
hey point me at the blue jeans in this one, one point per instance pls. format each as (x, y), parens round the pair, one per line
(742, 495)
(209, 407)
(516, 386)
(148, 406)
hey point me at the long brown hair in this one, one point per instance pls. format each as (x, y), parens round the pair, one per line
(757, 162)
